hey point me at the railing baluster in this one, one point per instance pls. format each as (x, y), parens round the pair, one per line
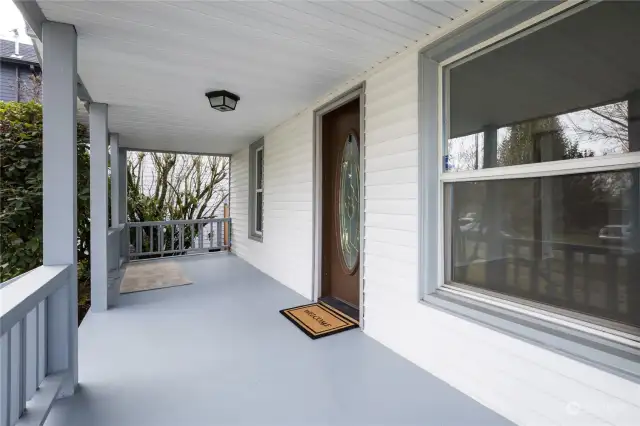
(200, 236)
(22, 366)
(569, 275)
(15, 360)
(31, 351)
(181, 230)
(173, 236)
(138, 240)
(5, 378)
(219, 234)
(516, 264)
(161, 239)
(612, 288)
(192, 239)
(42, 341)
(128, 239)
(586, 257)
(151, 239)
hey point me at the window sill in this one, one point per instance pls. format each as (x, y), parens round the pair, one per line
(257, 238)
(599, 352)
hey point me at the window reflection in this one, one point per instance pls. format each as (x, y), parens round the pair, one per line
(569, 241)
(592, 132)
(565, 92)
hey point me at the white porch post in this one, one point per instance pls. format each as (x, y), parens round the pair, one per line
(114, 150)
(122, 168)
(492, 216)
(122, 202)
(60, 195)
(98, 133)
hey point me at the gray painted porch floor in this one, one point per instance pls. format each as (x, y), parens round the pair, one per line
(218, 352)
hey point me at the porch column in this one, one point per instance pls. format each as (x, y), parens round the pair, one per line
(122, 202)
(98, 134)
(492, 213)
(122, 169)
(114, 151)
(59, 198)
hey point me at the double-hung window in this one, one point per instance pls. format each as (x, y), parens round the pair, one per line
(256, 190)
(540, 173)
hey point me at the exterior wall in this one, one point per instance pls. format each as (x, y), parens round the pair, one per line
(286, 250)
(8, 87)
(521, 381)
(8, 83)
(524, 382)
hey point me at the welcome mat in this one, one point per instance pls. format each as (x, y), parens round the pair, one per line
(319, 320)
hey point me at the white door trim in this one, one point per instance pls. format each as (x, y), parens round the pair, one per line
(354, 93)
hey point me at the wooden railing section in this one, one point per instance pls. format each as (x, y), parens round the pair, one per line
(177, 237)
(588, 278)
(36, 343)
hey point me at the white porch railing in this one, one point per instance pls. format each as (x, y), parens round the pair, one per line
(35, 330)
(177, 237)
(115, 259)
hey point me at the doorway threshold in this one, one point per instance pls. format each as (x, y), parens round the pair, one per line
(345, 308)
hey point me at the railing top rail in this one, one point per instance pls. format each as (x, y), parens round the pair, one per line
(592, 249)
(14, 279)
(180, 222)
(24, 294)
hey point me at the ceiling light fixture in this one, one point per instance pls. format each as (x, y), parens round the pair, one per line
(222, 100)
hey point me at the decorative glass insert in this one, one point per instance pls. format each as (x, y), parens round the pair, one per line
(349, 203)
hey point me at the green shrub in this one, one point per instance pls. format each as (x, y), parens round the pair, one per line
(21, 192)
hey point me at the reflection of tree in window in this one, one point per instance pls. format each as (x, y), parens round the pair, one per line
(553, 222)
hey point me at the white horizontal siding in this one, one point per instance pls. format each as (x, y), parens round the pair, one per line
(525, 383)
(239, 204)
(285, 252)
(8, 83)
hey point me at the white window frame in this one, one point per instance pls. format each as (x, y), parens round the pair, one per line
(434, 270)
(254, 179)
(259, 189)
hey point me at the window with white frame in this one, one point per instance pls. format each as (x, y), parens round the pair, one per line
(256, 190)
(541, 167)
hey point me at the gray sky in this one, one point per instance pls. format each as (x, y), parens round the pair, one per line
(10, 18)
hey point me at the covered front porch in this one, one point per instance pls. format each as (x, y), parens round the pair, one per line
(218, 352)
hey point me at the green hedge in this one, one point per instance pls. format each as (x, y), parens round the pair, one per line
(21, 192)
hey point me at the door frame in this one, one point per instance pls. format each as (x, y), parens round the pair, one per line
(356, 92)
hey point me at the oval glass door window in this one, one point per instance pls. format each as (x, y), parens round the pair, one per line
(349, 203)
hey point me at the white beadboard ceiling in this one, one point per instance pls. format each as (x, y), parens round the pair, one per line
(153, 61)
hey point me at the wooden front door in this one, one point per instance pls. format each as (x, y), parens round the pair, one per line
(341, 204)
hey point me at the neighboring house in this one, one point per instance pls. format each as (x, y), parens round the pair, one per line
(441, 170)
(18, 65)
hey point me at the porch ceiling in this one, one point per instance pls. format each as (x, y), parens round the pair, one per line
(153, 61)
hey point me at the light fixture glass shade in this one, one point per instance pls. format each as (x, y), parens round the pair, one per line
(222, 100)
(216, 101)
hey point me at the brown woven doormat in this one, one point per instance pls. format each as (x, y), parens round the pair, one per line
(319, 320)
